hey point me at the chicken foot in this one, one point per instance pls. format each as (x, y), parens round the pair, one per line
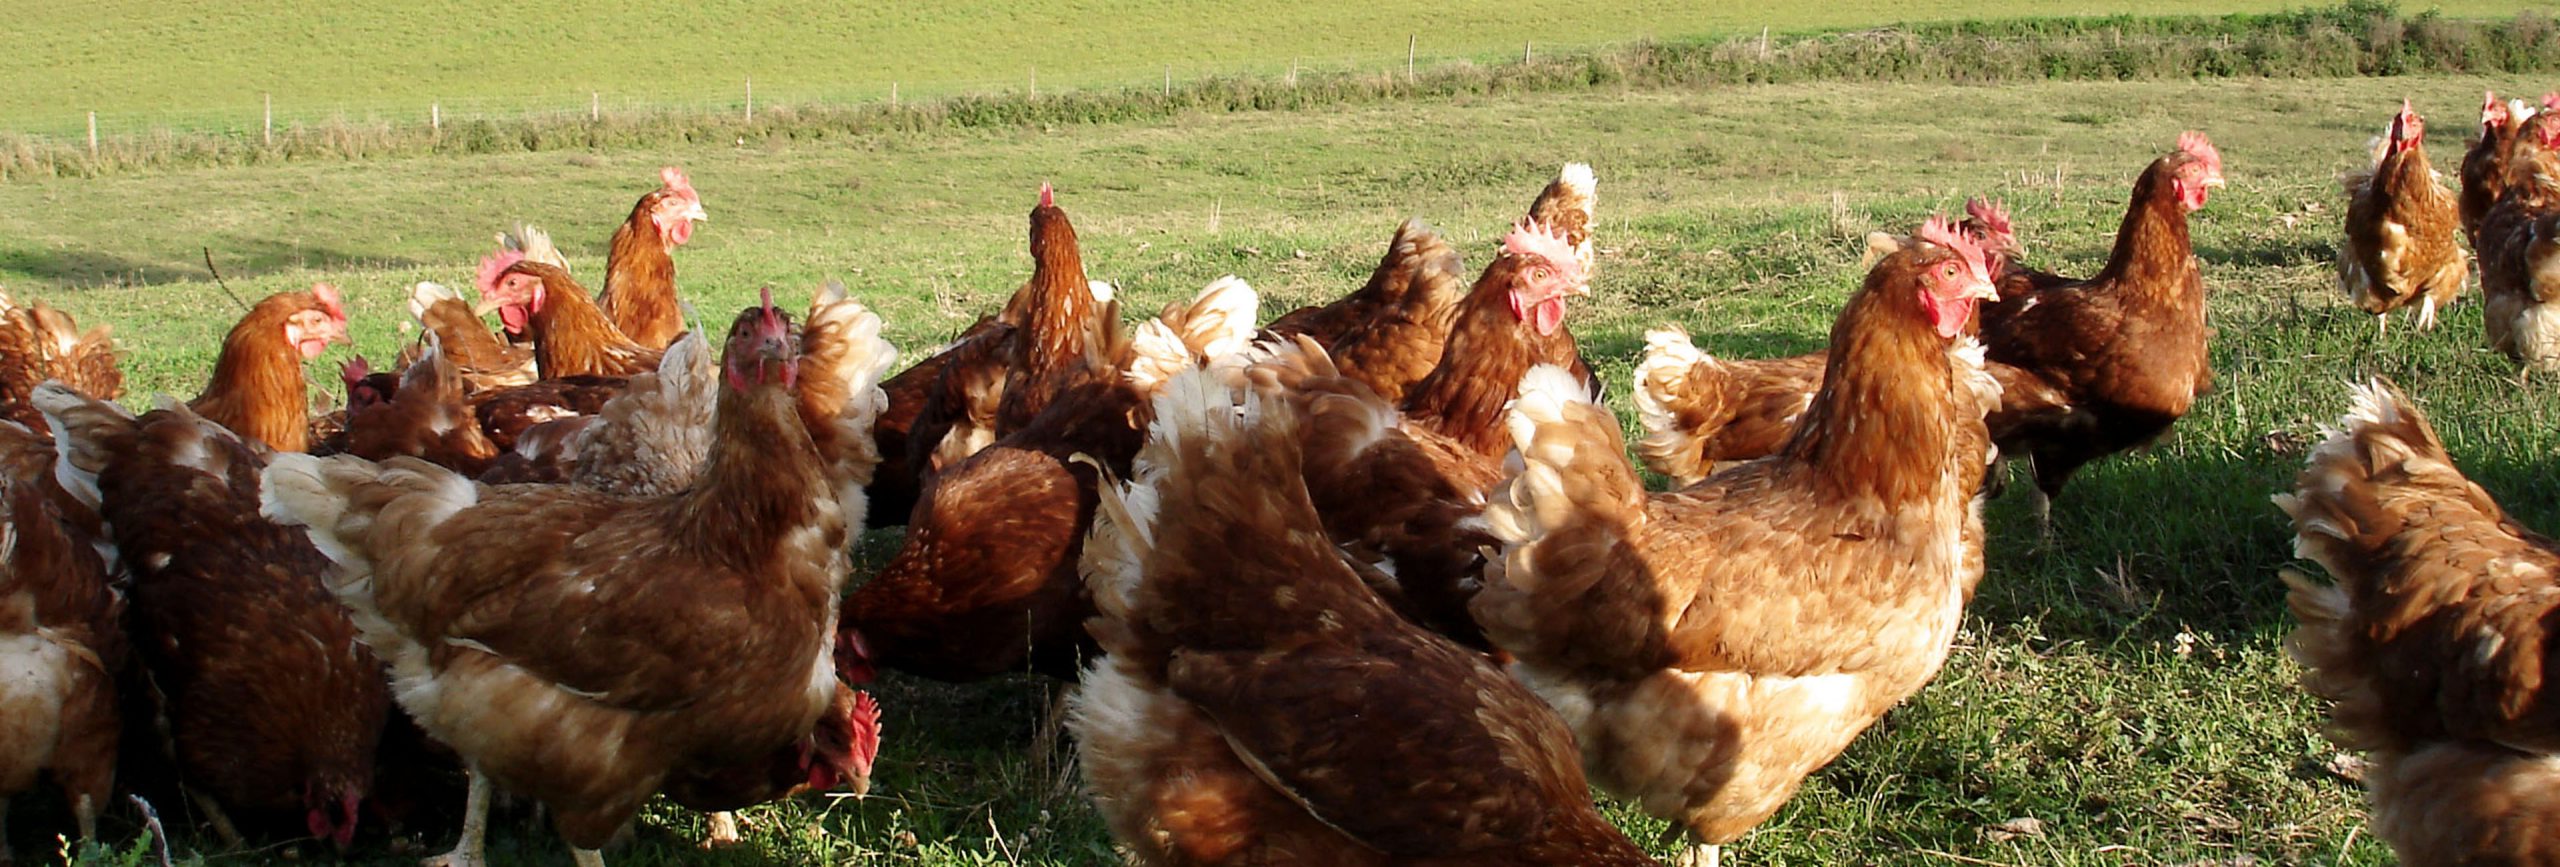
(724, 830)
(221, 823)
(468, 852)
(1701, 855)
(586, 857)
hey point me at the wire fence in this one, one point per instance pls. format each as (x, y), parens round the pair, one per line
(259, 115)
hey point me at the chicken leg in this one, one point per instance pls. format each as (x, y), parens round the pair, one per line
(723, 831)
(1701, 855)
(586, 857)
(468, 852)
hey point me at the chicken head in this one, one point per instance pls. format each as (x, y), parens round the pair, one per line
(1548, 272)
(312, 330)
(1952, 282)
(2407, 128)
(761, 348)
(2199, 169)
(677, 209)
(514, 294)
(332, 811)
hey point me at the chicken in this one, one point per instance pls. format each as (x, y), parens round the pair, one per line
(486, 362)
(1701, 413)
(2400, 244)
(61, 643)
(1389, 334)
(258, 390)
(1258, 705)
(699, 627)
(39, 343)
(985, 582)
(271, 708)
(908, 435)
(2484, 166)
(1401, 488)
(639, 275)
(2434, 641)
(571, 336)
(1000, 362)
(2122, 352)
(424, 417)
(508, 414)
(1712, 646)
(2519, 247)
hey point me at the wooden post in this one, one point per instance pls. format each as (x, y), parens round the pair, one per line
(1168, 82)
(435, 116)
(1524, 50)
(93, 135)
(1764, 43)
(893, 94)
(751, 99)
(1408, 57)
(270, 128)
(1035, 80)
(595, 105)
(1293, 72)
(1213, 213)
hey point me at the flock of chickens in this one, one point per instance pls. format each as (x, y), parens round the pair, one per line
(1372, 583)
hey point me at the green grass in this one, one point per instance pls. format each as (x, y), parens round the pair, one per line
(193, 64)
(2123, 686)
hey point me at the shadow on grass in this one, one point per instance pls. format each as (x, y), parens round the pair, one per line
(237, 257)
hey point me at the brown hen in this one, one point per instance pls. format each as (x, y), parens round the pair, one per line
(2433, 644)
(1259, 706)
(1712, 646)
(2400, 246)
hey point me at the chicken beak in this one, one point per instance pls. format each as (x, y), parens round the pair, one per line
(1983, 291)
(694, 212)
(2213, 182)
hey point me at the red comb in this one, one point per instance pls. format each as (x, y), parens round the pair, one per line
(1529, 238)
(866, 729)
(1945, 233)
(2492, 112)
(354, 370)
(676, 182)
(329, 301)
(2194, 144)
(2551, 100)
(492, 267)
(1993, 216)
(1048, 197)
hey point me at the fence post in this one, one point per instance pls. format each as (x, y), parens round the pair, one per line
(269, 130)
(1524, 51)
(1168, 82)
(751, 99)
(1764, 43)
(1408, 57)
(1035, 80)
(1293, 72)
(435, 116)
(595, 106)
(893, 94)
(93, 135)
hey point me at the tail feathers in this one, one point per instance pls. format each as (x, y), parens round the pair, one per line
(1570, 471)
(1568, 205)
(1671, 401)
(349, 504)
(845, 360)
(535, 244)
(651, 439)
(83, 429)
(1205, 431)
(1217, 325)
(426, 296)
(1432, 276)
(2349, 511)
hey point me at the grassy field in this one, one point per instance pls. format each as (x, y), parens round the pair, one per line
(195, 64)
(2123, 686)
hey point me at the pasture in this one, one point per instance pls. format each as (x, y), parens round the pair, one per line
(207, 65)
(2122, 687)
